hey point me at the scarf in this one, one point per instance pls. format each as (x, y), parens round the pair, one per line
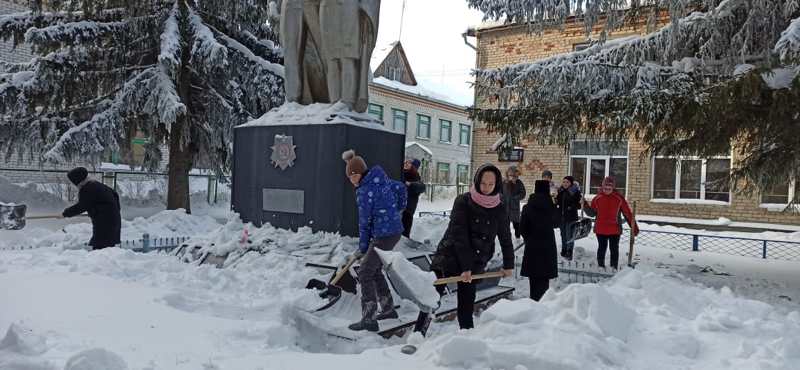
(485, 201)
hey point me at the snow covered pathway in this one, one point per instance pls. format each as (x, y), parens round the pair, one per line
(158, 313)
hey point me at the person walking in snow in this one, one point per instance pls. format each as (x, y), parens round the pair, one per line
(568, 202)
(539, 262)
(101, 203)
(415, 188)
(477, 218)
(607, 206)
(380, 203)
(513, 193)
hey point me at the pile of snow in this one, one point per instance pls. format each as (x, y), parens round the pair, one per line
(413, 278)
(96, 359)
(639, 320)
(164, 224)
(316, 114)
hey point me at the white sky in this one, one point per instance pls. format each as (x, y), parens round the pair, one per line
(432, 40)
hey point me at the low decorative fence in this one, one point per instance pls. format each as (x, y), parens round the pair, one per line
(785, 250)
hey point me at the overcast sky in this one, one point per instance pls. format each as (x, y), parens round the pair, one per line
(432, 40)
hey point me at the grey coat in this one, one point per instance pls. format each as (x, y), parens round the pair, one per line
(513, 193)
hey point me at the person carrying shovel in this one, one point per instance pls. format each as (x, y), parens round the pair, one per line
(101, 203)
(381, 202)
(477, 218)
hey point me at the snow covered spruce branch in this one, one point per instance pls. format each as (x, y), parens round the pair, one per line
(105, 81)
(704, 81)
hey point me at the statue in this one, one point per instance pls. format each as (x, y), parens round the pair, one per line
(327, 49)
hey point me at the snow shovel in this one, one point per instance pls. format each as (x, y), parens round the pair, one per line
(330, 290)
(632, 238)
(12, 216)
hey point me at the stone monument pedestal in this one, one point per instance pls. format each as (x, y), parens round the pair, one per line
(288, 169)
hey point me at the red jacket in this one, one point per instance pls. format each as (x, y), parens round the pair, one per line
(607, 208)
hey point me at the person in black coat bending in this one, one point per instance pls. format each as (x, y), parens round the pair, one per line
(539, 263)
(568, 202)
(477, 218)
(101, 203)
(415, 188)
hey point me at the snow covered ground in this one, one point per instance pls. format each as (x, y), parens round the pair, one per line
(155, 312)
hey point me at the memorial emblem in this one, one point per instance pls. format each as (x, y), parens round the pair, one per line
(283, 154)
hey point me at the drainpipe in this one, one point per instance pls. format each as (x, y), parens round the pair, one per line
(469, 33)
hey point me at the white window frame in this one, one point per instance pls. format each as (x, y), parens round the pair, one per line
(703, 173)
(469, 134)
(586, 188)
(793, 184)
(441, 131)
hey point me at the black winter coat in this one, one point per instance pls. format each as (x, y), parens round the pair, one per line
(513, 193)
(468, 244)
(540, 259)
(415, 189)
(102, 204)
(568, 202)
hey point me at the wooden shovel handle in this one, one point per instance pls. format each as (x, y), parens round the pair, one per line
(456, 279)
(343, 271)
(41, 217)
(45, 217)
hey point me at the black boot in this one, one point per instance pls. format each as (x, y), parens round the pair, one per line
(364, 325)
(385, 315)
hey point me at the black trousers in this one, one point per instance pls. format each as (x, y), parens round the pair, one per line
(538, 288)
(610, 242)
(408, 220)
(517, 229)
(466, 301)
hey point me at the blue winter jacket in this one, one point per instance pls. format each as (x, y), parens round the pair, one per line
(380, 204)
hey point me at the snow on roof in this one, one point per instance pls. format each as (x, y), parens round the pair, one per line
(423, 147)
(316, 114)
(780, 78)
(414, 90)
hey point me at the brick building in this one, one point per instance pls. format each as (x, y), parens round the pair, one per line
(685, 187)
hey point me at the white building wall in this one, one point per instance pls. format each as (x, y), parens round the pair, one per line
(452, 153)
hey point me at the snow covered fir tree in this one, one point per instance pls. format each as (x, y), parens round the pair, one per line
(183, 73)
(720, 76)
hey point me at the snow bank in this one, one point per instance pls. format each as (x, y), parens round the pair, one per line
(23, 341)
(96, 359)
(316, 114)
(28, 195)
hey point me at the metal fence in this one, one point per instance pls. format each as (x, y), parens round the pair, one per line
(133, 184)
(145, 244)
(731, 245)
(693, 242)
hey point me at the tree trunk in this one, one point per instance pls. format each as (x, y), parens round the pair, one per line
(181, 150)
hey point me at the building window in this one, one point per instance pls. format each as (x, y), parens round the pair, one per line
(463, 174)
(781, 194)
(399, 120)
(445, 131)
(591, 161)
(464, 133)
(423, 126)
(376, 111)
(443, 173)
(692, 179)
(510, 154)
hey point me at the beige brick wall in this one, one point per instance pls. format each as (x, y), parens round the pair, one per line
(507, 45)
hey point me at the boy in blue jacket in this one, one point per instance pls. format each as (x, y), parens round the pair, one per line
(381, 202)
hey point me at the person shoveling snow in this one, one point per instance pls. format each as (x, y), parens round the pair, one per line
(101, 203)
(380, 203)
